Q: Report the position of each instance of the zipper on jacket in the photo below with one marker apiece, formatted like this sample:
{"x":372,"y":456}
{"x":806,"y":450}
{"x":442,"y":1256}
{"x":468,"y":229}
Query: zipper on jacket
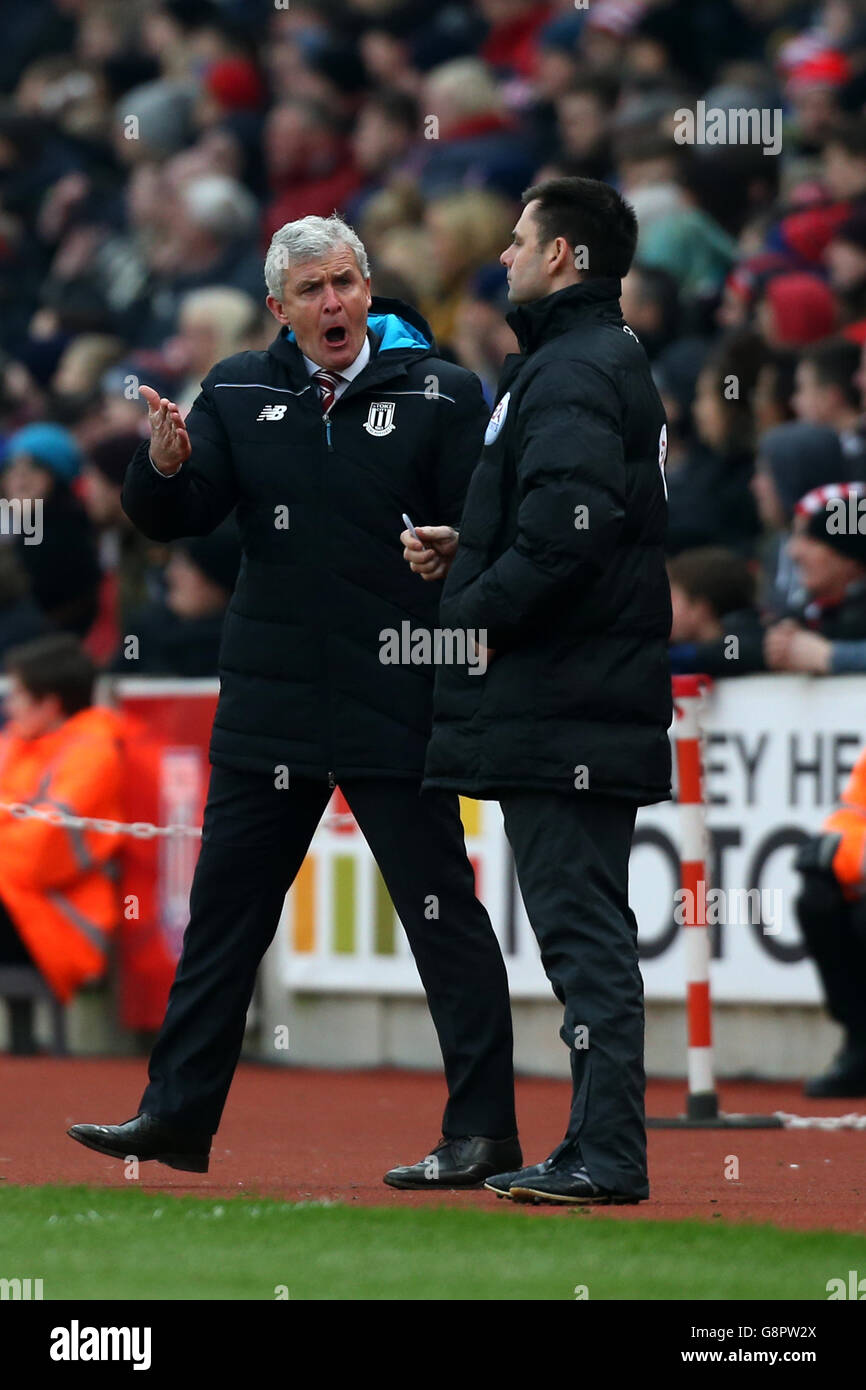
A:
{"x":332,"y":781}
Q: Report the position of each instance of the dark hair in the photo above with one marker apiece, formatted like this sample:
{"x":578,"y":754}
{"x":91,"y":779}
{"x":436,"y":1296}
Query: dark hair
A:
{"x":14,"y":580}
{"x":741,"y":355}
{"x":659,"y":287}
{"x":849,"y":134}
{"x":398,"y":108}
{"x":782,"y":362}
{"x":604,"y":86}
{"x":836,"y":362}
{"x":590,"y":214}
{"x":641,"y":146}
{"x":54,"y":665}
{"x":719,"y":577}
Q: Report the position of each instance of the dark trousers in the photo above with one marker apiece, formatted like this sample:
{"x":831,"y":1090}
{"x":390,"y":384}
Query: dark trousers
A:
{"x":571,"y":854}
{"x":22,"y":1038}
{"x":254,"y":839}
{"x":834,"y":931}
{"x":12,"y":948}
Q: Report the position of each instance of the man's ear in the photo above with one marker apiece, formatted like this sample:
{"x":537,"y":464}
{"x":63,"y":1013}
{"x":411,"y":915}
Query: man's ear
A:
{"x":559,"y":255}
{"x":569,"y":258}
{"x":277,"y":310}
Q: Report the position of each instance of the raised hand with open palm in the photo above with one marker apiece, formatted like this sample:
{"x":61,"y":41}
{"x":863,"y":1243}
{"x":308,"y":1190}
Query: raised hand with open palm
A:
{"x":169,"y":441}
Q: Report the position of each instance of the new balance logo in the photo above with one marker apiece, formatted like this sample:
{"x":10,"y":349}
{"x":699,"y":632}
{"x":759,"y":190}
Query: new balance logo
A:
{"x":272,"y":412}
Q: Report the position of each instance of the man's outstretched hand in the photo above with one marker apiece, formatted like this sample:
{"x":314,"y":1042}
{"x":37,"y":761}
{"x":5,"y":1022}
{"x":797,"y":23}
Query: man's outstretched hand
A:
{"x":431,"y":554}
{"x":169,"y":441}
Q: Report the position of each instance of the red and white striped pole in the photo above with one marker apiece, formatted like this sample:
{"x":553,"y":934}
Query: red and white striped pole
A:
{"x":702,"y":1102}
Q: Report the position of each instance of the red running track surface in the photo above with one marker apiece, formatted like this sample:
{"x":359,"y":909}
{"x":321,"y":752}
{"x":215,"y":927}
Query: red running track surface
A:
{"x":301,"y":1135}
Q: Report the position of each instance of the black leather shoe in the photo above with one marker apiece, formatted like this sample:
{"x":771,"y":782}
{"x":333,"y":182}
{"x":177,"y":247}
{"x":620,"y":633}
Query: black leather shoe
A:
{"x":501,"y":1183}
{"x":845,"y":1077}
{"x":568,"y":1185}
{"x":458,"y":1163}
{"x":146,"y":1137}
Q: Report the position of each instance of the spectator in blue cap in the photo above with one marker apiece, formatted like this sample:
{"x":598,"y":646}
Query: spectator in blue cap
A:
{"x":52,"y":533}
{"x":46,"y":447}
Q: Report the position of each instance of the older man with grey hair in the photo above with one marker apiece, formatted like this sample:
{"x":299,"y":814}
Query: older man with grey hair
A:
{"x":320,"y":443}
{"x":210,"y":240}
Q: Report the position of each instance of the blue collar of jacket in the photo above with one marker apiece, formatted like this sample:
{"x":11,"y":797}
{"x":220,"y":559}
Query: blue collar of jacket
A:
{"x":540,"y":320}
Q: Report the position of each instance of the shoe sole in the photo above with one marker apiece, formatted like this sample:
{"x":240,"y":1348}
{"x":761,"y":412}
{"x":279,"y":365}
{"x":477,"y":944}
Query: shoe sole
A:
{"x":530,"y":1195}
{"x":425,"y":1184}
{"x":498,"y":1191}
{"x":186,"y":1163}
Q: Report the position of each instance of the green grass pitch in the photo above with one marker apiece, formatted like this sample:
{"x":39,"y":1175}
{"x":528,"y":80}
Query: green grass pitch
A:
{"x":90,"y":1243}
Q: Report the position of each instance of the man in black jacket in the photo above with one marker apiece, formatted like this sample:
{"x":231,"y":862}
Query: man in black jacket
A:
{"x":560,"y":559}
{"x":319,"y":444}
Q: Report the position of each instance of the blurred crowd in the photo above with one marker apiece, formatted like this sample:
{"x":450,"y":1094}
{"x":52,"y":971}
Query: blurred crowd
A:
{"x":150,"y":148}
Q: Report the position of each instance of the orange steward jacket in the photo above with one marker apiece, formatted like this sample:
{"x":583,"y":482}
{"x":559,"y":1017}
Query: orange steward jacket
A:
{"x":59,"y":884}
{"x":849,"y":821}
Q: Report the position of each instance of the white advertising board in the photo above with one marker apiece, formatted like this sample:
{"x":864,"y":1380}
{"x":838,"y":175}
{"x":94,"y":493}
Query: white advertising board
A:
{"x":778,"y":750}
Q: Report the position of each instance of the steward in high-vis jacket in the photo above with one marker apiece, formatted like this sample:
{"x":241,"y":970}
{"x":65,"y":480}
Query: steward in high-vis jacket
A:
{"x":831,"y":909}
{"x":560,"y":564}
{"x":59,"y":885}
{"x":59,"y":892}
{"x":320,"y":443}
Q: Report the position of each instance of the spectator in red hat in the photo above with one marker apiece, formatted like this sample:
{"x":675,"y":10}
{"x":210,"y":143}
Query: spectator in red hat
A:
{"x":230,"y":85}
{"x":830,"y":554}
{"x":807,"y":234}
{"x":812,"y":89}
{"x":796,"y":309}
{"x":745,"y":286}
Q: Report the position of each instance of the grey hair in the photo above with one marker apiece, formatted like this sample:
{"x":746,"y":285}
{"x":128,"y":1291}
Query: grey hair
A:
{"x":308,"y":239}
{"x":222,"y":206}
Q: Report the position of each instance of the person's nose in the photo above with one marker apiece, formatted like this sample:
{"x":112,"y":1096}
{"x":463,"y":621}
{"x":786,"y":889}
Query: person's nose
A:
{"x":331,"y":301}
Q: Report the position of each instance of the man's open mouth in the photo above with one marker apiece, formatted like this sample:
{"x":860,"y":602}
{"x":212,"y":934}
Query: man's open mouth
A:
{"x":336,"y":336}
